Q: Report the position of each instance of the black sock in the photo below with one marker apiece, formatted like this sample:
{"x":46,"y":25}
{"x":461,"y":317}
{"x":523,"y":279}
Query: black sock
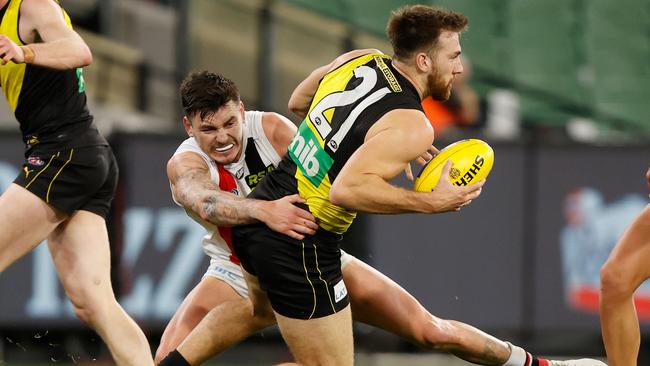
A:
{"x":174,"y":359}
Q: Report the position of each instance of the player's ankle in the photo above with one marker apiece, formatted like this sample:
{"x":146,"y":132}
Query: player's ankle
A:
{"x":174,"y":359}
{"x":519,"y":357}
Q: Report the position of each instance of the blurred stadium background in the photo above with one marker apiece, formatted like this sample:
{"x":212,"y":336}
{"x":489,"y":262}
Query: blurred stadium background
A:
{"x":564,"y":98}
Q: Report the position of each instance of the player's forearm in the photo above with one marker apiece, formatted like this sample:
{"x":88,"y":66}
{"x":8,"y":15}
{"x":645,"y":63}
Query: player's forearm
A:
{"x":62,"y":54}
{"x":374,"y":195}
{"x":226,"y":209}
{"x":219,"y":207}
{"x":302,"y":96}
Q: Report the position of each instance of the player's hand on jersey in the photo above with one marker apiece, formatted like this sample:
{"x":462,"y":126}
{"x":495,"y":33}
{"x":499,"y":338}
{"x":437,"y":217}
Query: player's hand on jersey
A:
{"x":421,"y":160}
{"x":10,"y":51}
{"x":287,"y":218}
{"x":447,"y":196}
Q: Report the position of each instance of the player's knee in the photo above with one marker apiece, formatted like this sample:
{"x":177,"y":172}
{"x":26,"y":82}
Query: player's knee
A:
{"x":89,"y":306}
{"x":616,"y":279}
{"x":363,"y":297}
{"x":438,"y":334}
{"x":86,"y":311}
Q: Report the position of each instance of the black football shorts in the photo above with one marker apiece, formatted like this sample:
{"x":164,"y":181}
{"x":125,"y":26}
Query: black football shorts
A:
{"x":302,"y":278}
{"x":83,"y":178}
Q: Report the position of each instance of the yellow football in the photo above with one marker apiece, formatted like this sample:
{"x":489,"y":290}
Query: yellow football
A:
{"x":471,"y":160}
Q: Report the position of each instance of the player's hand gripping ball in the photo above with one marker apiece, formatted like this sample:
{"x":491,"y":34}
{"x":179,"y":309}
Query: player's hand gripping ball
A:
{"x":471,"y":160}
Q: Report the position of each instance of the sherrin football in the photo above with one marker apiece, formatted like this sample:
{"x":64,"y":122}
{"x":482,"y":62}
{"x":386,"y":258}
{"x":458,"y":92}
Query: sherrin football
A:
{"x":471,"y":160}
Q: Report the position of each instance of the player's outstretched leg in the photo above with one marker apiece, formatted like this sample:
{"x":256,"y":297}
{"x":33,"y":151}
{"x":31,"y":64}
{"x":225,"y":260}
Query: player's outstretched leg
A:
{"x":80,"y":252}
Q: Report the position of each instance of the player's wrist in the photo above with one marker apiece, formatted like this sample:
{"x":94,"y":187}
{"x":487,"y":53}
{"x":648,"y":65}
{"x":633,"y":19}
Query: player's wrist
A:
{"x":260,"y":210}
{"x":28,"y":54}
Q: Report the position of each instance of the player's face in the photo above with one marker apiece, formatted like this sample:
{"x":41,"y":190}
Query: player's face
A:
{"x":446,"y":65}
{"x":220,"y":134}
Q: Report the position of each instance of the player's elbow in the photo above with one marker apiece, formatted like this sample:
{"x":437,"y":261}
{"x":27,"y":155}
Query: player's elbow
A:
{"x":296,"y":107}
{"x":341,"y":196}
{"x":85,"y":56}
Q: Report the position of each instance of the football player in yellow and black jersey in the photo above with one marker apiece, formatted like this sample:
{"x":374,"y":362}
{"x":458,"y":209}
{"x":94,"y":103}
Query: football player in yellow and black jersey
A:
{"x":363,"y":122}
{"x":65,"y":188}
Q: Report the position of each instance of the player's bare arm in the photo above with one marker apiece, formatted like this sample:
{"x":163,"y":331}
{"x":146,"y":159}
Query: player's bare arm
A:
{"x":397,"y":138}
{"x":647,"y":177}
{"x":302,"y":96}
{"x":51,"y":43}
{"x":190,"y":182}
{"x":279,"y":130}
{"x":191,"y":185}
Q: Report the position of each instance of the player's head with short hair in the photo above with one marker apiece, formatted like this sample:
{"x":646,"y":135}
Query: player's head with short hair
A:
{"x":414,"y":28}
{"x":204,"y":92}
{"x":426,"y":40}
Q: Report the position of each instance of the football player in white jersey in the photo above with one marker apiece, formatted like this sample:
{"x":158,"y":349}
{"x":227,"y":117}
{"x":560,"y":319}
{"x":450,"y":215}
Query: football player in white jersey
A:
{"x":246,"y":144}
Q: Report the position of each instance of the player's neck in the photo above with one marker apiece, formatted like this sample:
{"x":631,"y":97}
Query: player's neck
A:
{"x":407,"y":72}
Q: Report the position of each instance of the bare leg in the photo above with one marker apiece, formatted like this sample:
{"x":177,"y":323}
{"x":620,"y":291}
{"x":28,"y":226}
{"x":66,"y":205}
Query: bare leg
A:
{"x":227,"y":324}
{"x":625,"y":269}
{"x":80,"y":251}
{"x":26,"y":221}
{"x":325,"y":341}
{"x":209,"y":293}
{"x":379,"y":301}
{"x":224,"y":326}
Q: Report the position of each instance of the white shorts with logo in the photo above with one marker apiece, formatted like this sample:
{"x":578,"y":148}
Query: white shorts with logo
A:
{"x":225,"y":270}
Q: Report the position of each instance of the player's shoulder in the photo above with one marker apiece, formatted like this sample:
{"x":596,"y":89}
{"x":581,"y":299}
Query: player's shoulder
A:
{"x":187,"y":153}
{"x":351,"y":55}
{"x":274,"y":123}
{"x":30,"y":8}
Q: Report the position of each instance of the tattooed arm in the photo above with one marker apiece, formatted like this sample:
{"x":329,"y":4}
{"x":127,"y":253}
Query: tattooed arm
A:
{"x":190,"y":182}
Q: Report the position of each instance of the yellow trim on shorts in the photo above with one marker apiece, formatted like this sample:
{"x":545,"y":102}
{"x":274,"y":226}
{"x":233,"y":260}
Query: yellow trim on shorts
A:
{"x":47,"y":196}
{"x":42,"y":170}
{"x":313,"y":290}
{"x":320,"y":276}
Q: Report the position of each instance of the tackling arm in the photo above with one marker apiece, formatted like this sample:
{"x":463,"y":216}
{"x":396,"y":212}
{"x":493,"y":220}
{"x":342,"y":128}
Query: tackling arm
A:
{"x":189,"y":177}
{"x":190,"y":182}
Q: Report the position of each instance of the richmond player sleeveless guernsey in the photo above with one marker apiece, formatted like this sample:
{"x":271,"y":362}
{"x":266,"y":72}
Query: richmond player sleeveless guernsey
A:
{"x":49,"y":104}
{"x":349,"y":100}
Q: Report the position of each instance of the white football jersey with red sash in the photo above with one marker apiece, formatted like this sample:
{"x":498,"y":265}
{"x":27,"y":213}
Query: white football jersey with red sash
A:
{"x":240,"y":177}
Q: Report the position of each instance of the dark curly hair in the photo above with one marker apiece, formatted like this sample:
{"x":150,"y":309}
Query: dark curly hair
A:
{"x":204,"y":92}
{"x":412,"y":28}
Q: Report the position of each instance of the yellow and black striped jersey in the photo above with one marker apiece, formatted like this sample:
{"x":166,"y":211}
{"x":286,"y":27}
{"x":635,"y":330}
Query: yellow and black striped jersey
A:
{"x":49,"y":104}
{"x":349,"y":100}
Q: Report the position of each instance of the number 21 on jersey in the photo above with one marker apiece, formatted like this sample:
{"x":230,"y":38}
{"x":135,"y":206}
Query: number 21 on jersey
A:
{"x":307,"y":147}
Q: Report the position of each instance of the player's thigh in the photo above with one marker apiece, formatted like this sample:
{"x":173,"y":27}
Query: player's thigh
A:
{"x":26,"y":220}
{"x":81,"y":254}
{"x":631,"y":255}
{"x":320,"y":341}
{"x":209,"y":293}
{"x":381,"y":302}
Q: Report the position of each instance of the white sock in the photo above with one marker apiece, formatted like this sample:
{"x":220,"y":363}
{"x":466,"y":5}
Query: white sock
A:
{"x":518,"y":357}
